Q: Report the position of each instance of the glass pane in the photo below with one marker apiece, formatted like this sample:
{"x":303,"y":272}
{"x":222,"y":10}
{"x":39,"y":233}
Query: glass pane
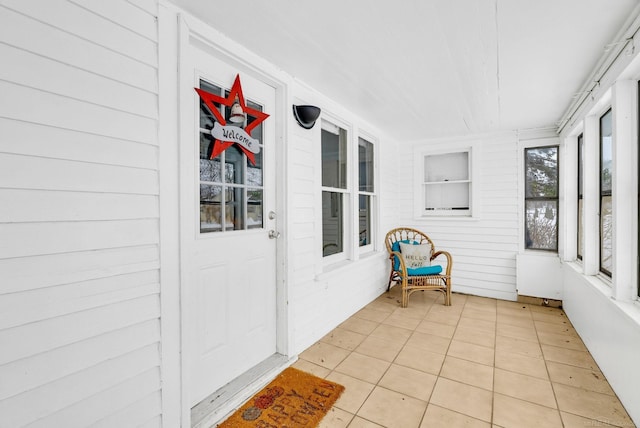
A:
{"x":254,"y":208}
{"x":334,"y":159}
{"x":580,"y":229}
{"x":446,"y":167}
{"x":365,"y":165}
{"x":541,"y":179}
{"x":254,"y":172}
{"x":364,"y":220}
{"x":448,"y":196}
{"x":210,"y":208}
{"x":234,"y":204}
{"x":606,"y":155}
{"x":606,"y":234}
{"x":210,"y":170}
{"x":234,"y":162}
{"x":332,"y":223}
{"x":206,"y":118}
{"x":541,"y":225}
{"x":580,"y":165}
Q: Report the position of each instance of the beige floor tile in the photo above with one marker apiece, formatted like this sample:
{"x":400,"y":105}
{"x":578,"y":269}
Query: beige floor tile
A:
{"x":462,"y":398}
{"x":336,"y":418}
{"x":484,"y":301}
{"x":591,"y":405}
{"x":524,"y":333}
{"x":562,"y":341}
{"x":471,"y":352}
{"x":527,"y":388}
{"x":429,"y":342}
{"x":550,"y":317}
{"x":448,"y":318}
{"x":509,"y":412}
{"x":372,"y":315}
{"x":359,"y":325}
{"x":344,"y":338}
{"x":419,"y":359}
{"x":402,"y":321}
{"x":515,"y":311}
{"x":436,"y":328}
{"x":478,"y":337}
{"x":416,"y":311}
{"x":363,"y":367}
{"x":408,"y":381}
{"x":518,"y":346}
{"x":555,"y":328}
{"x":569,"y":357}
{"x":359,"y":422}
{"x":391,"y":332}
{"x":479,"y":314}
{"x":355,"y":391}
{"x":519,"y":363}
{"x":383,"y":305}
{"x":515,"y":321}
{"x":325,"y":355}
{"x":591,"y":380}
{"x":392,"y":409}
{"x":575,"y":421}
{"x":468,"y":372}
{"x":477,"y":324}
{"x":383,"y":349}
{"x":456,"y":308}
{"x":437,"y":416}
{"x":309,"y":367}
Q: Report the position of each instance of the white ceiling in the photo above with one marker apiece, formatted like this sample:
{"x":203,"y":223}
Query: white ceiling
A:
{"x":430,"y":68}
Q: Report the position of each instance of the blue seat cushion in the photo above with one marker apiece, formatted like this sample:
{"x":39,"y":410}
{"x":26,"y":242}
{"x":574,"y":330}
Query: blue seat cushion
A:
{"x":426,"y":270}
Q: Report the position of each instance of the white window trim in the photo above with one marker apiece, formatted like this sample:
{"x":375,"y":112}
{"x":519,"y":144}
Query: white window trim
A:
{"x":419,"y":211}
{"x":369,"y":248}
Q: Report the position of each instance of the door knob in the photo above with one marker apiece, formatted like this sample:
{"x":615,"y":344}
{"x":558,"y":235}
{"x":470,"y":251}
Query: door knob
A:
{"x":273,"y":234}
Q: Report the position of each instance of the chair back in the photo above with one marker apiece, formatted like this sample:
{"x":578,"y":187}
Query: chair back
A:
{"x":406,"y":234}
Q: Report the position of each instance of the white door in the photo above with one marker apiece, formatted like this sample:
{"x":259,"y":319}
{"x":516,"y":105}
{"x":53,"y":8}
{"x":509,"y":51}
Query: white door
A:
{"x":227,"y":196}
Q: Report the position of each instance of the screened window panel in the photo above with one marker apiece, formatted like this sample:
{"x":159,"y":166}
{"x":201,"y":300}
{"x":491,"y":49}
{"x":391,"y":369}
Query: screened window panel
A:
{"x":364,"y":220}
{"x":541,"y":225}
{"x":365,"y":165}
{"x":332,"y":223}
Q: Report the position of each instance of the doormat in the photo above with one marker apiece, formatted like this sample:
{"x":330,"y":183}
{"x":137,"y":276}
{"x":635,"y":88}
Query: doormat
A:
{"x":295,"y":399}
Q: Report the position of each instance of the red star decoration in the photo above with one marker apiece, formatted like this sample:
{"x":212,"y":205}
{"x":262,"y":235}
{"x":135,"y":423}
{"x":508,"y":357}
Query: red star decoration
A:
{"x":236,"y":90}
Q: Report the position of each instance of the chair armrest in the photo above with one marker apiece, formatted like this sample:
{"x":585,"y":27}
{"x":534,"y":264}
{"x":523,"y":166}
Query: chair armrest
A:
{"x":449,"y":259}
{"x":403,"y":266}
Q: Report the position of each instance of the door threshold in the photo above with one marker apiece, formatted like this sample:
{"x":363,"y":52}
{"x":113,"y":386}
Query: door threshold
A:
{"x":227,"y":399}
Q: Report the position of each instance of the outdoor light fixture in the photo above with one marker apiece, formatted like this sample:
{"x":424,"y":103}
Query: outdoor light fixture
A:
{"x":306,"y":115}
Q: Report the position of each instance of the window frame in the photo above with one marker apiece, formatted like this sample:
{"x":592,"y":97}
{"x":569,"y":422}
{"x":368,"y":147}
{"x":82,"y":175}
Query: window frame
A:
{"x":371,"y":195}
{"x":580,"y":197}
{"x":420,"y":183}
{"x":541,"y":198}
{"x":608,"y":193}
{"x":344,"y":194}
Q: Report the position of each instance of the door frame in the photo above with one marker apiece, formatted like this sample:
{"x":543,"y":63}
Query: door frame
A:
{"x":175,"y":30}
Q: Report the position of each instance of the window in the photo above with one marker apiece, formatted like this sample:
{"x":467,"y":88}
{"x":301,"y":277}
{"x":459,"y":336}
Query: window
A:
{"x":365,"y":192}
{"x":580,"y":202}
{"x":541,"y":198}
{"x":606,"y":200}
{"x":334,"y":188}
{"x":446,"y":184}
{"x":231,"y":186}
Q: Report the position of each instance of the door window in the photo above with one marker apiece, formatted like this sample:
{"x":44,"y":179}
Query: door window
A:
{"x":231,"y":185}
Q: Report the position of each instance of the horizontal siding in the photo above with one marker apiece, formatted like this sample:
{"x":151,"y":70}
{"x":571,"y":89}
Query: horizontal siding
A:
{"x":483,"y":250}
{"x":79,"y":214}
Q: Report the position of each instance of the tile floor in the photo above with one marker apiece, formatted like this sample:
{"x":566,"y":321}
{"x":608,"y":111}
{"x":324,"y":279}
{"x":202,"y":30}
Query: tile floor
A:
{"x":478,"y":363}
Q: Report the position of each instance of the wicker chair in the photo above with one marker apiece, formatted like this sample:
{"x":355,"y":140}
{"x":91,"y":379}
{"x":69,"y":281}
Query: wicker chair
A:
{"x":411,"y":283}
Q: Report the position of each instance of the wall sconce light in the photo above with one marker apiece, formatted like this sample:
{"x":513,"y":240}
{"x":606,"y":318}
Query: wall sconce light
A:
{"x":306,"y":115}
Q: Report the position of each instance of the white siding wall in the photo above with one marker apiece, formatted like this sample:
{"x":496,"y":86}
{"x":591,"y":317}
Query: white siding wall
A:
{"x":79,"y":288}
{"x":484,"y":248}
{"x":321,"y":297}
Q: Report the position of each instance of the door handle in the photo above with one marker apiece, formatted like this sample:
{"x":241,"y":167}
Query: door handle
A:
{"x":273,"y":234}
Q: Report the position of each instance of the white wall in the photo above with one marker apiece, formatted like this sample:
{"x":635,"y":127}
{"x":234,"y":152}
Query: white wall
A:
{"x":321,"y":296}
{"x":484,"y":247}
{"x":79,"y":295}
